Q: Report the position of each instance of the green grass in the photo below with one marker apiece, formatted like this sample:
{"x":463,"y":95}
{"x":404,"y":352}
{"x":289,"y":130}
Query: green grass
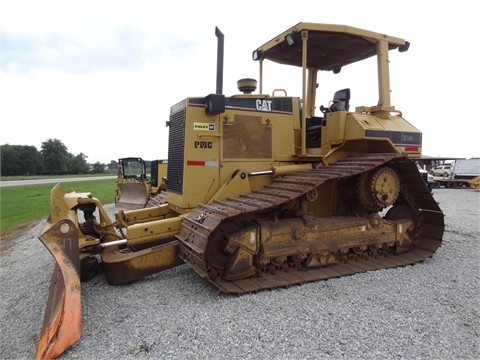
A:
{"x":21,"y":204}
{"x":34,"y":177}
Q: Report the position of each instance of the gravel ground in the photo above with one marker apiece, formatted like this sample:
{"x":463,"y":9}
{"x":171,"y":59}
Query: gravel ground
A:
{"x":427,"y":311}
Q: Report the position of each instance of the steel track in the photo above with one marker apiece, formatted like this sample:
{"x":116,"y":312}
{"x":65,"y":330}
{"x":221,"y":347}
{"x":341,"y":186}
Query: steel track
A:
{"x":201,"y":223}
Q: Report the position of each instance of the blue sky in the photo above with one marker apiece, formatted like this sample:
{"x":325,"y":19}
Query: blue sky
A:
{"x":101,"y":75}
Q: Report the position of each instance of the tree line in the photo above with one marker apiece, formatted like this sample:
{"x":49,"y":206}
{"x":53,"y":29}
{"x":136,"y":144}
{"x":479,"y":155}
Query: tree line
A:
{"x":52,"y":159}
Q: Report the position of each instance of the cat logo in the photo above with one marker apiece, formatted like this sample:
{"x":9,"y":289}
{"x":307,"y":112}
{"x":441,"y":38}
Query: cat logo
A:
{"x":203,"y":126}
{"x":264,"y":105}
{"x":203,"y":145}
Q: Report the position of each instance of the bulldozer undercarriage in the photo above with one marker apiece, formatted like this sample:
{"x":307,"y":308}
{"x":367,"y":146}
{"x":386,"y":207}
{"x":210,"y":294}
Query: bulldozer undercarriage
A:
{"x":261,"y":241}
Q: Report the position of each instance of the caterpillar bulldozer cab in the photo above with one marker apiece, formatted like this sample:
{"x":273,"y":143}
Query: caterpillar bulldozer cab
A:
{"x":261,"y":191}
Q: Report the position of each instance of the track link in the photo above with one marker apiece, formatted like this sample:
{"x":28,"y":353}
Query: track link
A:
{"x":197,"y":228}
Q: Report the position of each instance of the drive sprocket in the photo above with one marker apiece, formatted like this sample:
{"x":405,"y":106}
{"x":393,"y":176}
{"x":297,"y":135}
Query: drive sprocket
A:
{"x":378,"y":189}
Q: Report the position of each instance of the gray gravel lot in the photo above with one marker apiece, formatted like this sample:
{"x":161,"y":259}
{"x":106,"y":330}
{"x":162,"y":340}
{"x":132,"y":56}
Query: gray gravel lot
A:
{"x":427,"y":311}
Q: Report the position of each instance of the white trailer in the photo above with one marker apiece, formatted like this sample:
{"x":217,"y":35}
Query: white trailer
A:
{"x":464,"y":171}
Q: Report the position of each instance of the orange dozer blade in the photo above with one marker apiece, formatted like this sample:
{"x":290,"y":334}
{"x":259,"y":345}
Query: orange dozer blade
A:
{"x":62,"y":323}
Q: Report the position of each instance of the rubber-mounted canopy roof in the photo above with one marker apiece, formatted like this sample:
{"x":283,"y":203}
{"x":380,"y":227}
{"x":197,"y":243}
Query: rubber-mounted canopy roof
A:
{"x":329,"y":47}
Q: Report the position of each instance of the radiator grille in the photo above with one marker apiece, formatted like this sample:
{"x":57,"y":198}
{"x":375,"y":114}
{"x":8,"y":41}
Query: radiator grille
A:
{"x":176,"y":135}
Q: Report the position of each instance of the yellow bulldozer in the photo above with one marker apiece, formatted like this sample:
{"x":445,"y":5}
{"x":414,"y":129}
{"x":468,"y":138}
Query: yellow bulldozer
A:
{"x":134,"y":189}
{"x":263,"y":190}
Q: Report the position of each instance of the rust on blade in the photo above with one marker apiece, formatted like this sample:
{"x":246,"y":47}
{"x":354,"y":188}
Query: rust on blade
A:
{"x":127,"y":265}
{"x":62,"y":323}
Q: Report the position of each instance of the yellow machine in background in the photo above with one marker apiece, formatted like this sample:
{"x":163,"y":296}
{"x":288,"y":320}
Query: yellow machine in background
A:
{"x":133,"y":187}
{"x":263,"y":189}
{"x":475,"y":182}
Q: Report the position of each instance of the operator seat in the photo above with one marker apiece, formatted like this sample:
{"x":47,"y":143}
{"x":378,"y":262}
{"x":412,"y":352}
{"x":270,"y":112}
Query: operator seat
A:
{"x":340,"y":102}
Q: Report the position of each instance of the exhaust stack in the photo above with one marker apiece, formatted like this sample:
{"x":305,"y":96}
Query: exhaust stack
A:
{"x":220,"y":51}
